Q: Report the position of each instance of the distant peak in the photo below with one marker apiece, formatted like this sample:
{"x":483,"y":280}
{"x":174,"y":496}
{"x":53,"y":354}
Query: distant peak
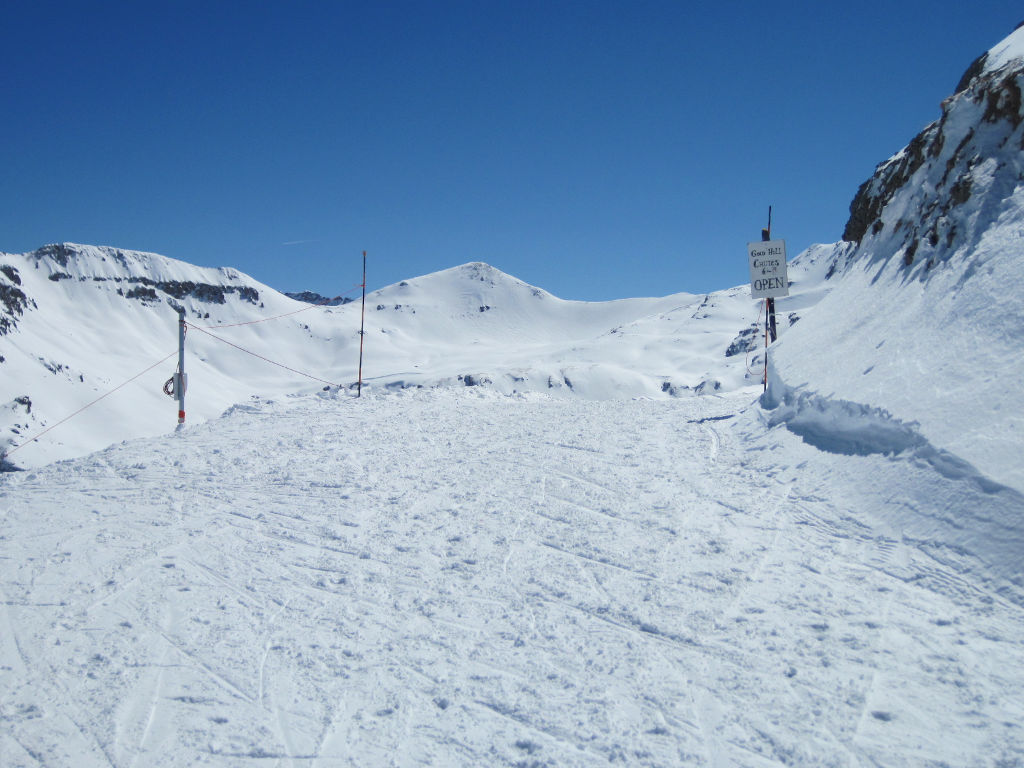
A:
{"x":480,"y":267}
{"x":473,"y":275}
{"x":939,"y":193}
{"x":477,"y":270}
{"x":1007,"y":50}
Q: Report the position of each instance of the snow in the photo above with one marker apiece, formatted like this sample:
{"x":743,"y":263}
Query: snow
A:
{"x":1006,"y":51}
{"x":81,"y":338}
{"x":474,"y":320}
{"x":456,"y":577}
{"x":930,"y":354}
{"x":530,"y":542}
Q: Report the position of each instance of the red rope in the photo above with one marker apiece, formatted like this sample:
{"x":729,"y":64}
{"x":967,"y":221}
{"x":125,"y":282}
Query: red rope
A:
{"x":119,"y":386}
{"x":261,"y":357}
{"x":16,"y":448}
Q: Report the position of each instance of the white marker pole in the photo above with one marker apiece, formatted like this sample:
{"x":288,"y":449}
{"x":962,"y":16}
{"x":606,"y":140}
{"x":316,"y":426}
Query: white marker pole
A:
{"x":179,"y":378}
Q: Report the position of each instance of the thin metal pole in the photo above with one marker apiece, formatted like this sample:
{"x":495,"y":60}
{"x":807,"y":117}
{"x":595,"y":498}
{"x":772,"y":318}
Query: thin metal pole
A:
{"x":766,"y":234}
{"x":769,"y":306}
{"x":179,"y":384}
{"x":362,"y":332}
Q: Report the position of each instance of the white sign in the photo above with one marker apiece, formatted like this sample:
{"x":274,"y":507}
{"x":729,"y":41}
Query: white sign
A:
{"x":768,"y":278}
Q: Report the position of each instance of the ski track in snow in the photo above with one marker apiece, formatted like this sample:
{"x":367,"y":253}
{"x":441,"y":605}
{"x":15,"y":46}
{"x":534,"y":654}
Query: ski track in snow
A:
{"x":459,"y":578}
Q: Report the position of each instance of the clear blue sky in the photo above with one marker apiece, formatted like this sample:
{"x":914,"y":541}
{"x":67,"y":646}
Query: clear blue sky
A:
{"x":596,"y":149}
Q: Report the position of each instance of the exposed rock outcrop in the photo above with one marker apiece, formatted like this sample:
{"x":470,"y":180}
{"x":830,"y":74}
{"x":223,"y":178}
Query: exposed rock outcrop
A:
{"x":945,"y":188}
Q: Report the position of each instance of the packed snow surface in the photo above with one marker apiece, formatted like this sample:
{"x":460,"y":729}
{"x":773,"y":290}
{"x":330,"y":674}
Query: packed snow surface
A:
{"x":457,"y":577}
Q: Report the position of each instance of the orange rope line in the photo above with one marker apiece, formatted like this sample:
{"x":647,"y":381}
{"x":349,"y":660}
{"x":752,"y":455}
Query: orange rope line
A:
{"x":261,"y":357}
{"x":89,"y":405}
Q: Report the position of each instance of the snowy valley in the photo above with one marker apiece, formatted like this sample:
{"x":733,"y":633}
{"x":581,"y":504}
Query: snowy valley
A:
{"x":102,"y":314}
{"x":549,"y":533}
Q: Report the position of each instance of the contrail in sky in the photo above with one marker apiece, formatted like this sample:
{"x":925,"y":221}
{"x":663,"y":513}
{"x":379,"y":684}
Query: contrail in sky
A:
{"x":299,"y":242}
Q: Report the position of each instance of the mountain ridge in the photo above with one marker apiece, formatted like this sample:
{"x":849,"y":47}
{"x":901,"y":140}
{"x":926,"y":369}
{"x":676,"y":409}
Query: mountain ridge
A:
{"x":908,"y":205}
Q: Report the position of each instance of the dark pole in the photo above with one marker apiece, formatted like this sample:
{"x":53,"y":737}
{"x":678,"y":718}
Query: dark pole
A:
{"x":769,"y":304}
{"x":362,"y":333}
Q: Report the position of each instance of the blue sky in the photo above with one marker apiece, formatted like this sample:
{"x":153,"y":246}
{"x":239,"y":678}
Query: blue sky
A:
{"x":597,"y":149}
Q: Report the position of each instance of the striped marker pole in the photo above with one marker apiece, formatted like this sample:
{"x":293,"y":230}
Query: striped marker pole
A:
{"x":179,"y":383}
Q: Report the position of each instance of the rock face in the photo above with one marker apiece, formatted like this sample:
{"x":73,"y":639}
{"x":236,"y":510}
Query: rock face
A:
{"x":131,"y":268}
{"x":943,"y":190}
{"x":132,"y":275}
{"x":13,"y":300}
{"x":311,"y":297}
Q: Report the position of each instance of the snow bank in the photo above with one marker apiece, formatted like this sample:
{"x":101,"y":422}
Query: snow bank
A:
{"x":926,"y":493}
{"x":936,"y":348}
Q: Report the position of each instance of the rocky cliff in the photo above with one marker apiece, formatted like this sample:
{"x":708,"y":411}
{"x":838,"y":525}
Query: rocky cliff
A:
{"x":945,"y":189}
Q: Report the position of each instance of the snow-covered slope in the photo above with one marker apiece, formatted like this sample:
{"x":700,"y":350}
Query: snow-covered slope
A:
{"x":79,"y":321}
{"x":455,"y":577}
{"x":82,"y":320}
{"x":923,"y":329}
{"x":474,"y":324}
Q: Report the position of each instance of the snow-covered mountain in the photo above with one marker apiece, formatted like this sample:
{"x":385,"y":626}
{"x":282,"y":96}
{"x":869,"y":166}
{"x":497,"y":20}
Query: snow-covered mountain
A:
{"x":475,"y":325}
{"x":82,"y":320}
